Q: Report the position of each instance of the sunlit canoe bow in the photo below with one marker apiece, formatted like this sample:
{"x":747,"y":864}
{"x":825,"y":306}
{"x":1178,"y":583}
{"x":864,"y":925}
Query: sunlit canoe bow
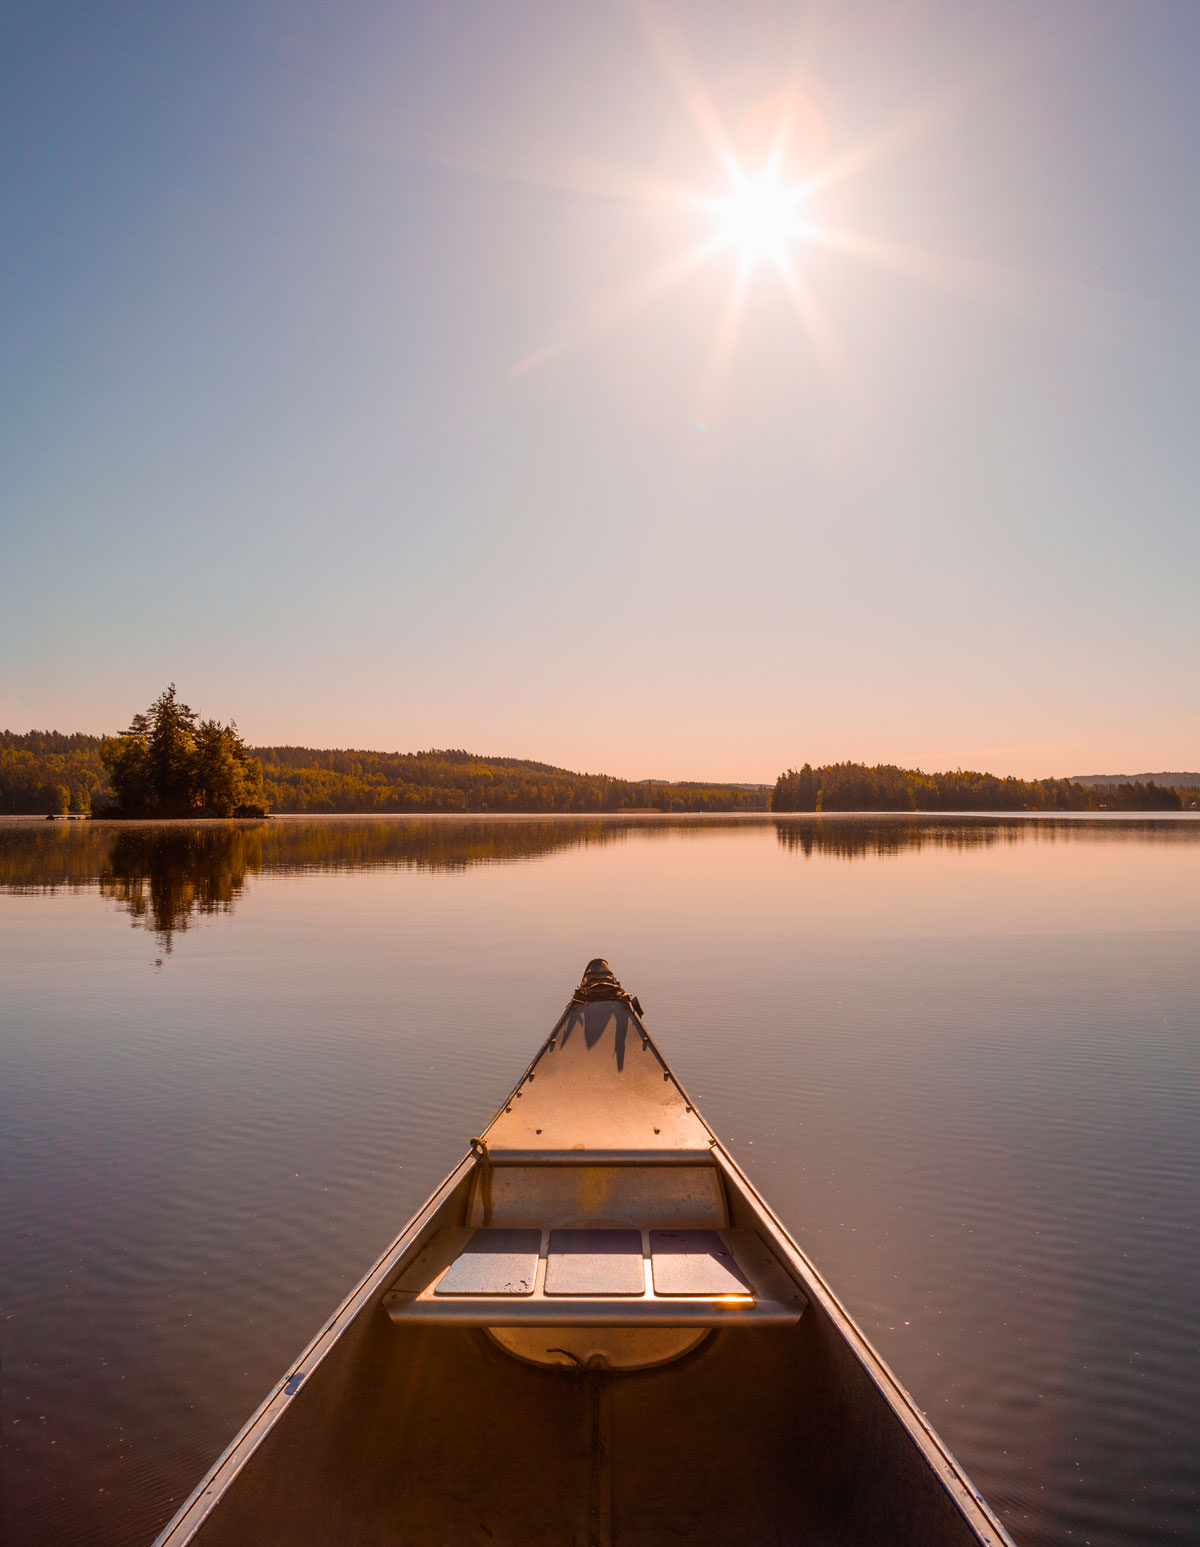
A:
{"x":594,"y":1332}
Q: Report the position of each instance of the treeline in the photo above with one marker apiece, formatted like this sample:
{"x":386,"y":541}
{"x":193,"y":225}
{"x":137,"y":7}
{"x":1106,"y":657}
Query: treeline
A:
{"x":308,"y":779}
{"x":46,"y":771}
{"x":885,"y":787}
{"x":201,"y":765}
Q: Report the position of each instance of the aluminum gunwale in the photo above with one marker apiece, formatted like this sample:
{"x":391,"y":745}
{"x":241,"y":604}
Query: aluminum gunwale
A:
{"x":208,"y":1492}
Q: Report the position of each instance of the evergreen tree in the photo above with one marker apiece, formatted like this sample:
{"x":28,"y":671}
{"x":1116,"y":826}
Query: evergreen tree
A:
{"x":126,"y":758}
{"x":227,"y":777}
{"x":796,"y":791}
{"x":169,"y":764}
{"x":171,"y":752}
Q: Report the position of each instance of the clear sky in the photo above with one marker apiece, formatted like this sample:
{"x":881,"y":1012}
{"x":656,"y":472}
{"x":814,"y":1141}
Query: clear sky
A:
{"x":678,"y":391}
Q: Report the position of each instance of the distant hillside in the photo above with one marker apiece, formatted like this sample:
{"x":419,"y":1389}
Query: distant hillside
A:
{"x":337,"y":757}
{"x":705,"y":784}
{"x":1173,"y":781}
{"x":47,"y":770}
{"x":316,"y":779}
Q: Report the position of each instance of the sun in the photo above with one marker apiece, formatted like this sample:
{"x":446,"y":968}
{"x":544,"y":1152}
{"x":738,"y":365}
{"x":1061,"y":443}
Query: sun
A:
{"x":759,"y":218}
{"x":763,"y":217}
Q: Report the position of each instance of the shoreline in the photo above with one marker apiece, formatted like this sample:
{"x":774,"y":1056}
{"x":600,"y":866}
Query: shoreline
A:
{"x":642,"y":815}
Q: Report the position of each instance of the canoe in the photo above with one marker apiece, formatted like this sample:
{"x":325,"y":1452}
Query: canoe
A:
{"x":595,"y":1332}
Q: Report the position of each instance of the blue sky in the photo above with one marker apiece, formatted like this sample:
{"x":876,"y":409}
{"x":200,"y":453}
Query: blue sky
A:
{"x":360,"y":374}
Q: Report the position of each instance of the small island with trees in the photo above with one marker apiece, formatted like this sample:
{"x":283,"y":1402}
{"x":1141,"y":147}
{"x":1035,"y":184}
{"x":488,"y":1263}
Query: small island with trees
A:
{"x":170,"y":763}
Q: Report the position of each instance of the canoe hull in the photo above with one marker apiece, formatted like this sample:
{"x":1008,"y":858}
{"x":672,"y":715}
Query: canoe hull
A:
{"x":770,"y":1423}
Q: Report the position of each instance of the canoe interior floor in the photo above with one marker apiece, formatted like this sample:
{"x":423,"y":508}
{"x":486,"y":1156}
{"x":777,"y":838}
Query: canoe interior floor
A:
{"x":427,"y":1435}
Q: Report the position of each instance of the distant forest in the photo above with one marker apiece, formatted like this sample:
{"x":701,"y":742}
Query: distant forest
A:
{"x":48,"y":771}
{"x":305,"y":779}
{"x":856,"y":787}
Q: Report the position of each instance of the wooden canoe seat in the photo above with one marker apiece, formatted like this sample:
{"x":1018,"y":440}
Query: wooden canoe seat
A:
{"x":596,"y":1276}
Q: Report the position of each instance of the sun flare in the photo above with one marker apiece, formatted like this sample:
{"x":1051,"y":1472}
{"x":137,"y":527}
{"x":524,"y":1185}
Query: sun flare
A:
{"x":763,"y":218}
{"x":759,"y":219}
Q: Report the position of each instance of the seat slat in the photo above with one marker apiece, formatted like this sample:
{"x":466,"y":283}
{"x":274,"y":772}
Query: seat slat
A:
{"x":494,"y":1262}
{"x":695,"y":1262}
{"x":595,"y":1262}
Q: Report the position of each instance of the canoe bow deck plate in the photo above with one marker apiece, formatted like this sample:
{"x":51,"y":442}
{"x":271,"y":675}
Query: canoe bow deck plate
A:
{"x":598,"y":1086}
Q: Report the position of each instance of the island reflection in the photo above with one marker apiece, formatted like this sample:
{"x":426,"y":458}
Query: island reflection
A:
{"x":167,"y":876}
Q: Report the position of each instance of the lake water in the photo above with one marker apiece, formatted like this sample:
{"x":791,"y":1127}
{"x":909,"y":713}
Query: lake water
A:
{"x":959,"y":1056}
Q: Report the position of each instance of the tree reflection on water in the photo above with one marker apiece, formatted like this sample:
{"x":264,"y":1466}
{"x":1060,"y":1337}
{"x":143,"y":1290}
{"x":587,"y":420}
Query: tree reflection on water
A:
{"x":167,"y":876}
{"x":872,"y":835}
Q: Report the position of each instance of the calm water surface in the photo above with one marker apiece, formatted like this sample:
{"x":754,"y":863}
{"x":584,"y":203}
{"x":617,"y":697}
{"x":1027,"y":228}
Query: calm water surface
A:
{"x":960,"y":1057}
